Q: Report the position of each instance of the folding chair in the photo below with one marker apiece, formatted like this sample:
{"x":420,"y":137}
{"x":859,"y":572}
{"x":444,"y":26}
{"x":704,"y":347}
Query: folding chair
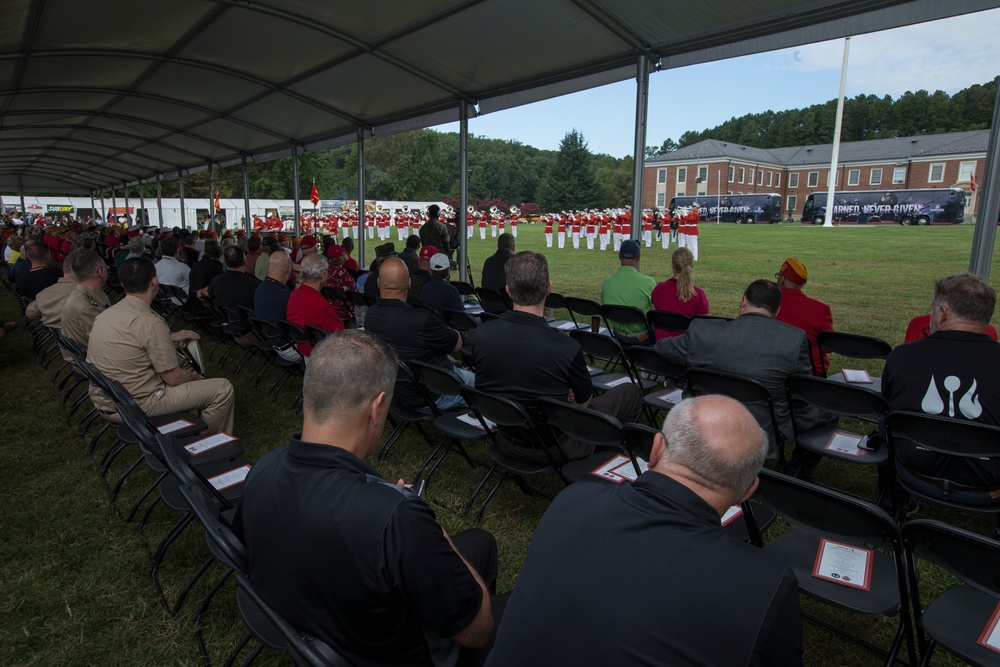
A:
{"x":592,"y":428}
{"x":359,"y":300}
{"x":608,"y":352}
{"x":957,"y":618}
{"x":850,"y":345}
{"x":664,"y":321}
{"x":958,"y":439}
{"x":492,"y":301}
{"x":628,"y":315}
{"x":586,"y":310}
{"x":669,"y":374}
{"x":844,"y":400}
{"x":513,"y":421}
{"x":334,"y":295}
{"x":464,"y":288}
{"x":829,"y":521}
{"x":558,"y":302}
{"x":272,"y":332}
{"x":754,"y":395}
{"x":401,"y":416}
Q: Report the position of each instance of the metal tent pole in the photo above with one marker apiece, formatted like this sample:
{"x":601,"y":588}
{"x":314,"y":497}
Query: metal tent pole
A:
{"x":989,"y":209}
{"x":142,"y":204}
{"x":641,"y":103}
{"x":159,"y":202}
{"x":211,"y":199}
{"x":295,"y":187}
{"x":20,"y":191}
{"x":114,"y":203}
{"x":92,"y":211}
{"x":246,"y":195}
{"x":463,"y":191}
{"x":180,"y":187}
{"x":361,"y":197}
{"x":104,"y":212}
{"x":125,"y":188}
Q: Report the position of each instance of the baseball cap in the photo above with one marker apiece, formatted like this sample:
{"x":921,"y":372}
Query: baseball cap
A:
{"x":794,"y":271}
{"x":385,"y":250}
{"x":440,"y":262}
{"x":335,"y":251}
{"x":427,"y":252}
{"x":307,"y":242}
{"x":629,"y":249}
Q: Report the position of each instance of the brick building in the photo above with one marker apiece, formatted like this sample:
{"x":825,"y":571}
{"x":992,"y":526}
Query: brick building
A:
{"x":712,"y":167}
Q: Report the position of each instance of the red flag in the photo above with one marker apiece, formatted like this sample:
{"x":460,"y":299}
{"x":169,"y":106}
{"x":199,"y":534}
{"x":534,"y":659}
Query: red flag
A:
{"x":218,"y":207}
{"x":972,"y":182}
{"x":314,"y":194}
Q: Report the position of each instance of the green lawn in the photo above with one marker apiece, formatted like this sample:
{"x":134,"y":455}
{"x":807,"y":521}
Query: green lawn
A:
{"x":74,"y":584}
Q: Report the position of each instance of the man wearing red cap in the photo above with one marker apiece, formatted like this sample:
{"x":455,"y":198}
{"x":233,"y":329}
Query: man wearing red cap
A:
{"x":339,"y":279}
{"x":803,"y":312}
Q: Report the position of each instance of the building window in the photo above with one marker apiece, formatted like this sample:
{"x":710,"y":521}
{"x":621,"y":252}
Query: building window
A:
{"x":937,"y":173}
{"x":702,"y":174}
{"x":853,"y":177}
{"x":966,"y":170}
{"x":793,"y":179}
{"x":760,"y":177}
{"x":732,"y":173}
{"x":792,"y":201}
{"x":770,"y":177}
{"x":680,"y":193}
{"x":876,"y":177}
{"x":660,"y":198}
{"x":813,"y":179}
{"x":682,"y":174}
{"x":898,"y":175}
{"x":741,"y":175}
{"x":661,"y":176}
{"x":777,"y":179}
{"x":836,"y":179}
{"x":749,"y":177}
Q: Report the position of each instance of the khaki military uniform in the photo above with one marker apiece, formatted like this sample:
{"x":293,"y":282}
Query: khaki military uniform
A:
{"x":48,"y":305}
{"x":79,"y":312}
{"x":131,"y":344}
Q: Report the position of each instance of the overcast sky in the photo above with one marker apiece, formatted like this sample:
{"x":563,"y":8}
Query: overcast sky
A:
{"x":947,"y":55}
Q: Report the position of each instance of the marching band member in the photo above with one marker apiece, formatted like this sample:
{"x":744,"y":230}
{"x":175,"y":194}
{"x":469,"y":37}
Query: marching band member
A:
{"x":548,"y":231}
{"x":493,"y":224}
{"x":575,"y":230}
{"x":561,"y":230}
{"x":647,"y":228}
{"x":604,"y":230}
{"x":591,"y":230}
{"x":666,"y":221}
{"x":687,"y":231}
{"x":513,"y":224}
{"x":481,"y":217}
{"x":401,"y":225}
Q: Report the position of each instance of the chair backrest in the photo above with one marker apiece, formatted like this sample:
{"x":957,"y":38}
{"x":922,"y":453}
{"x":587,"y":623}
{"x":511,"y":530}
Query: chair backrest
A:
{"x":838,"y":397}
{"x":602,"y":347}
{"x":638,"y":440}
{"x":439,"y":380}
{"x":942,"y":435}
{"x":616,"y":314}
{"x":464,"y":288}
{"x":223,"y":541}
{"x":851,"y":345}
{"x":661,"y":319}
{"x":305,"y":650}
{"x":703,"y":381}
{"x":359,"y":299}
{"x":646,"y":359}
{"x":272,"y":332}
{"x":332,"y":294}
{"x":973,"y":558}
{"x":583,"y":424}
{"x":826,"y":510}
{"x":295,"y":333}
{"x":491,"y":301}
{"x":460,"y":320}
{"x":582,"y":310}
{"x":554,"y":300}
{"x":316,"y":333}
{"x":513,"y":420}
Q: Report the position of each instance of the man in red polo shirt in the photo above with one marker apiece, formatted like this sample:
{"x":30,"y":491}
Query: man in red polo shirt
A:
{"x":803,"y":312}
{"x":307,"y":306}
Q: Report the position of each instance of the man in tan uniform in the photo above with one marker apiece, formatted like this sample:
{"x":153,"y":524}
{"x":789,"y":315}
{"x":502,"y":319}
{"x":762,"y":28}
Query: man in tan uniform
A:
{"x":133,"y":345}
{"x":87,"y":300}
{"x":48,"y":305}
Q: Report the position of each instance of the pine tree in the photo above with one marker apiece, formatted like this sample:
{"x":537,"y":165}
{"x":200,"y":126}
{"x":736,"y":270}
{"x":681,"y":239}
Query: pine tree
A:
{"x":571,"y":183}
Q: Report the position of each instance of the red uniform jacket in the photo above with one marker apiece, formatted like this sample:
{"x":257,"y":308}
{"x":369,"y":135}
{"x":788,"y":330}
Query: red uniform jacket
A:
{"x":810,"y":315}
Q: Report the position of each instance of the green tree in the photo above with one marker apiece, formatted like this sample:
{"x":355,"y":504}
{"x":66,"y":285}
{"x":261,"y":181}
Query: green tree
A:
{"x":571,"y":183}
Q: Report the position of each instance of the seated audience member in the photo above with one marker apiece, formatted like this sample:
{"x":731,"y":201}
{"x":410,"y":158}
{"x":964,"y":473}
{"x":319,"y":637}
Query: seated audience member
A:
{"x":23,"y":263}
{"x":679,"y":294}
{"x":39,"y":274}
{"x":271,"y":300}
{"x":339,"y":279}
{"x":48,"y":305}
{"x":234,"y":286}
{"x":87,"y":300}
{"x":409,"y":254}
{"x":628,"y":287}
{"x":307,"y":306}
{"x":132,"y":344}
{"x":347,"y":557}
{"x":268,"y":245}
{"x":253,"y":253}
{"x":422,"y":275}
{"x":189,"y":253}
{"x":954,"y":372}
{"x":308,"y":245}
{"x":758,"y":347}
{"x":12,"y":252}
{"x":920,"y":327}
{"x":439,"y":293}
{"x":133,"y":248}
{"x":566,"y":610}
{"x":416,"y":334}
{"x":350,"y":263}
{"x":803,"y":312}
{"x":170,"y":270}
{"x":206,"y":269}
{"x":494,"y":277}
{"x":521,"y":357}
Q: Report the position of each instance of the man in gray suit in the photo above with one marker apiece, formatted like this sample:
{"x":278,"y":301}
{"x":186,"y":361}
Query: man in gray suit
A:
{"x":756,"y":346}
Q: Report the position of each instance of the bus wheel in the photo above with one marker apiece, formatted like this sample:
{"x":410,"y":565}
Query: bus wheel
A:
{"x":906,"y":221}
{"x":818,"y":220}
{"x":739,"y":220}
{"x":923,"y":220}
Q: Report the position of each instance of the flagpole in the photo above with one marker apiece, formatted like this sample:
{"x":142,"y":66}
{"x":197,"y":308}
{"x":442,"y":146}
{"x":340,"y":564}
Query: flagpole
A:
{"x":831,"y":187}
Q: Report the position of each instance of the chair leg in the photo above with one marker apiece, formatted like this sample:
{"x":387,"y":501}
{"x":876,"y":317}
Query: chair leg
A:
{"x":482,"y":509}
{"x":187,"y":589}
{"x":121,"y":480}
{"x":231,"y":658}
{"x":202,"y":610}
{"x":479,"y":488}
{"x":135,"y":508}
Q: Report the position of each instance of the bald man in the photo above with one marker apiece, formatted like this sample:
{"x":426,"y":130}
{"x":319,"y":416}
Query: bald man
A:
{"x":693,"y":595}
{"x":416,"y":334}
{"x":270,"y":300}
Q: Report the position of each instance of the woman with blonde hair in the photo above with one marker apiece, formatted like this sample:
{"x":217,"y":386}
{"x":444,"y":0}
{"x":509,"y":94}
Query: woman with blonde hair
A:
{"x":679,"y":294}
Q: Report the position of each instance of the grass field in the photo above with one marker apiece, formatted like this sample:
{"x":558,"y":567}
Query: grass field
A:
{"x":74,"y":584}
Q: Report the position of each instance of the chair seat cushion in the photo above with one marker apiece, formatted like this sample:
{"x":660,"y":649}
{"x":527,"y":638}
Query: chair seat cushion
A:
{"x":956,"y":619}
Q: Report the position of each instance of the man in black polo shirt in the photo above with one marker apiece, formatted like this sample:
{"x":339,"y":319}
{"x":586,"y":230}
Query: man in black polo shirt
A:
{"x":234,"y":287}
{"x":691,"y":595}
{"x":416,"y":334}
{"x":346,"y":556}
{"x":494,"y":277}
{"x":207,"y":268}
{"x":39,"y":274}
{"x":521,"y":357}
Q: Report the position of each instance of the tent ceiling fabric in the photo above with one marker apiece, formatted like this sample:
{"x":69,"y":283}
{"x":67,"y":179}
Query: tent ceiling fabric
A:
{"x":105,"y":92}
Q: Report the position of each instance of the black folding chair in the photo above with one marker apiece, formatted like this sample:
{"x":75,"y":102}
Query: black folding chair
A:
{"x":278,"y":338}
{"x":976,"y":444}
{"x":821,"y":516}
{"x":850,"y":345}
{"x":956,"y":618}
{"x":464,"y":288}
{"x":509,"y":418}
{"x":754,"y":395}
{"x":667,"y":373}
{"x":592,"y":428}
{"x":664,"y":321}
{"x":403,"y":417}
{"x":628,"y":315}
{"x":492,"y":301}
{"x":607,"y":353}
{"x":585,"y":310}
